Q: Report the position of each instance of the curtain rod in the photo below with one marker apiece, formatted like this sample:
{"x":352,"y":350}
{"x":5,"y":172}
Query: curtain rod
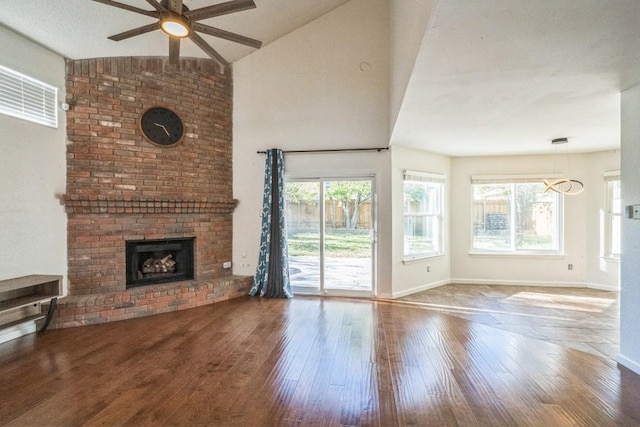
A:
{"x":330,"y":150}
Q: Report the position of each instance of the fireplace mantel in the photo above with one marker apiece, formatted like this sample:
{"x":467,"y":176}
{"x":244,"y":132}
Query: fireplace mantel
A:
{"x":125,"y":204}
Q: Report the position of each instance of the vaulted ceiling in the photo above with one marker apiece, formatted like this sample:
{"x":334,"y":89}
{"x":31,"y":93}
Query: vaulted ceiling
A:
{"x":507,"y":76}
{"x":79,"y":28}
{"x":490,"y":77}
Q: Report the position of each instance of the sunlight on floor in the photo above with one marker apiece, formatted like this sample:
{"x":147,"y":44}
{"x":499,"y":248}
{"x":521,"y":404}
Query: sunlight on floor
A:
{"x":458,"y":309}
{"x":579,"y":319}
{"x":561,"y":302}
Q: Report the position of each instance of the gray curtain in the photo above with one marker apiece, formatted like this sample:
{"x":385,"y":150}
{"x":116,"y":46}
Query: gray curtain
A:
{"x":272,"y":274}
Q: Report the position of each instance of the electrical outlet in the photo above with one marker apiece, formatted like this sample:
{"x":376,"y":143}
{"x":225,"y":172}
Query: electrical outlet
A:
{"x":570,"y":266}
{"x":226,"y":264}
{"x":428,"y":269}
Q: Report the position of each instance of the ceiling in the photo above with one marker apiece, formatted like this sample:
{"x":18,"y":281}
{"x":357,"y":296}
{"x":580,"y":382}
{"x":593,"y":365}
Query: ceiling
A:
{"x":491,"y":77}
{"x":87,"y":25}
{"x":508,"y":76}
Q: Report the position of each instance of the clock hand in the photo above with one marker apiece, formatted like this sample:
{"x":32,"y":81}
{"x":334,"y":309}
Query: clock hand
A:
{"x":163,"y":128}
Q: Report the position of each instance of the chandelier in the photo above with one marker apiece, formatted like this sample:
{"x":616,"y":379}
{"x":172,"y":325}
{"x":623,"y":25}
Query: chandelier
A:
{"x":562,"y":185}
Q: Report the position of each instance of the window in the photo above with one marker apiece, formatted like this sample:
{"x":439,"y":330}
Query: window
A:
{"x":27,"y":98}
{"x":614,"y":215}
{"x":513,"y":215}
{"x":423,"y":213}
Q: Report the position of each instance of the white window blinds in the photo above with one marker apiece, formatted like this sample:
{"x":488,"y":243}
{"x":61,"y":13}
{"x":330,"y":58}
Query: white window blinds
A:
{"x":27,"y":98}
{"x":423,"y":176}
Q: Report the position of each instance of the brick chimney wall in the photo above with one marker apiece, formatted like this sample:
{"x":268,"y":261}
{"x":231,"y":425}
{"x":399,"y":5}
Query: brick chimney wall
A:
{"x":122,"y":187}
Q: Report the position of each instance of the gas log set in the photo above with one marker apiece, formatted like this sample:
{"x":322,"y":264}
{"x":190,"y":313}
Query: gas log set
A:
{"x":157,"y":265}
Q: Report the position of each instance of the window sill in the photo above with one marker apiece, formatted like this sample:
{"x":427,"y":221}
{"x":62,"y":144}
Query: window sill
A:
{"x":610,"y":258}
{"x":422,"y":258}
{"x":520,"y":255}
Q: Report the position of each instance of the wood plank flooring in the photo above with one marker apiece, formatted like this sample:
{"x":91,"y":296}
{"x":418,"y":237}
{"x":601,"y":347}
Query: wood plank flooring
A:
{"x":309,"y":361}
{"x":578,"y":318}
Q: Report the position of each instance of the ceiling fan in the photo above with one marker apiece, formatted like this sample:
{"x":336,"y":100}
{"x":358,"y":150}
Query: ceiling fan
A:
{"x":178,"y":22}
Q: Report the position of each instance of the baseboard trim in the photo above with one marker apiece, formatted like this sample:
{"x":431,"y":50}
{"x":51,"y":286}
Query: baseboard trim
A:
{"x":420,"y":288}
{"x":628,"y":363}
{"x":603,"y":287}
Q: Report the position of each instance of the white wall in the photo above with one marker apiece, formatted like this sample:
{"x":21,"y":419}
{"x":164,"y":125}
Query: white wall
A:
{"x":323,"y":86}
{"x":630,"y":267}
{"x":413,"y":276}
{"x":408,"y":20}
{"x":33,"y":228}
{"x":581,"y":224}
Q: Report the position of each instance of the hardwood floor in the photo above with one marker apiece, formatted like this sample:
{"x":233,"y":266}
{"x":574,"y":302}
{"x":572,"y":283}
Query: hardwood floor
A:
{"x":578,"y":318}
{"x":309,"y":361}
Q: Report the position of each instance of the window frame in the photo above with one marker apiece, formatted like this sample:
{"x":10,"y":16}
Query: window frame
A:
{"x":610,"y":177}
{"x":558,"y":215}
{"x":440,"y":181}
{"x":26,"y":98}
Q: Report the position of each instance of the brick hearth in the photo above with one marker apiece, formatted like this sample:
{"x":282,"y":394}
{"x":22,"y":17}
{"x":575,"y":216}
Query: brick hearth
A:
{"x":121,"y":187}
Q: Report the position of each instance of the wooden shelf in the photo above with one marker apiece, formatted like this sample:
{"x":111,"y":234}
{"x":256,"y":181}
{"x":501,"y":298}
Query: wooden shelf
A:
{"x":20,"y":298}
{"x":28,"y":281}
{"x":24,"y":301}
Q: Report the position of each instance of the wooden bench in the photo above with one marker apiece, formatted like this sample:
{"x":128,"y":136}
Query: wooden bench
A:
{"x":21,"y":299}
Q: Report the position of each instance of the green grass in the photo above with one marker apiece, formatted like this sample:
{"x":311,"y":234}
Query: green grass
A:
{"x":529,"y":242}
{"x":338,"y":243}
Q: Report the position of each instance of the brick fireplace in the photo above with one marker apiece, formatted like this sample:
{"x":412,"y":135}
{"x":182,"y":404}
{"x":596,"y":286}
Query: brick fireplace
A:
{"x":121,"y":187}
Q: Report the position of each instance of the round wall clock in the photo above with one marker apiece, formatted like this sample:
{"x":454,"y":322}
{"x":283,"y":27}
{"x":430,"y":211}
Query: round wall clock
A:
{"x":161,"y":126}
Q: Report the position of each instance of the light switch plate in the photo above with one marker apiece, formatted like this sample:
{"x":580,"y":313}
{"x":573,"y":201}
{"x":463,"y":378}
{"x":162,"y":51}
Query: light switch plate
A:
{"x":633,"y":211}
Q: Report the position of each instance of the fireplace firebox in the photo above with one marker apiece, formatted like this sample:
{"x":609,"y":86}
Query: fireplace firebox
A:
{"x":159,"y":261}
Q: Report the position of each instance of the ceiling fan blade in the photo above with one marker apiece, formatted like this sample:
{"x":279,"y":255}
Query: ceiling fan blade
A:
{"x":174,"y":50}
{"x":199,"y":41}
{"x":216,"y":32}
{"x":220,"y":9}
{"x":150,"y":13}
{"x":135,"y":32}
{"x":157,"y":6}
{"x":175,"y":6}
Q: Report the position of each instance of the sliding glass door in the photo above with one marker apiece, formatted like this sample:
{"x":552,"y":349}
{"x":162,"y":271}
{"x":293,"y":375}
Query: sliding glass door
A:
{"x":303,"y":235}
{"x":331,"y":235}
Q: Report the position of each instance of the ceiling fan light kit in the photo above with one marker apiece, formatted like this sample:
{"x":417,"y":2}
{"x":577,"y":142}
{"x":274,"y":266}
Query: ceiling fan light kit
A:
{"x":175,"y":25}
{"x":566,"y":186}
{"x":178,"y":22}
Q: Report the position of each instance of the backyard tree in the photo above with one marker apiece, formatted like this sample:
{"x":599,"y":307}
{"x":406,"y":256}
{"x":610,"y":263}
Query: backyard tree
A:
{"x":349,"y":195}
{"x":526,"y":196}
{"x":301,"y":192}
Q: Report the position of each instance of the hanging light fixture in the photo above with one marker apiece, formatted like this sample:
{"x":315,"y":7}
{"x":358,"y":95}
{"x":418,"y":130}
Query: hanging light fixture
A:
{"x":175,"y":25}
{"x":562,"y":185}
